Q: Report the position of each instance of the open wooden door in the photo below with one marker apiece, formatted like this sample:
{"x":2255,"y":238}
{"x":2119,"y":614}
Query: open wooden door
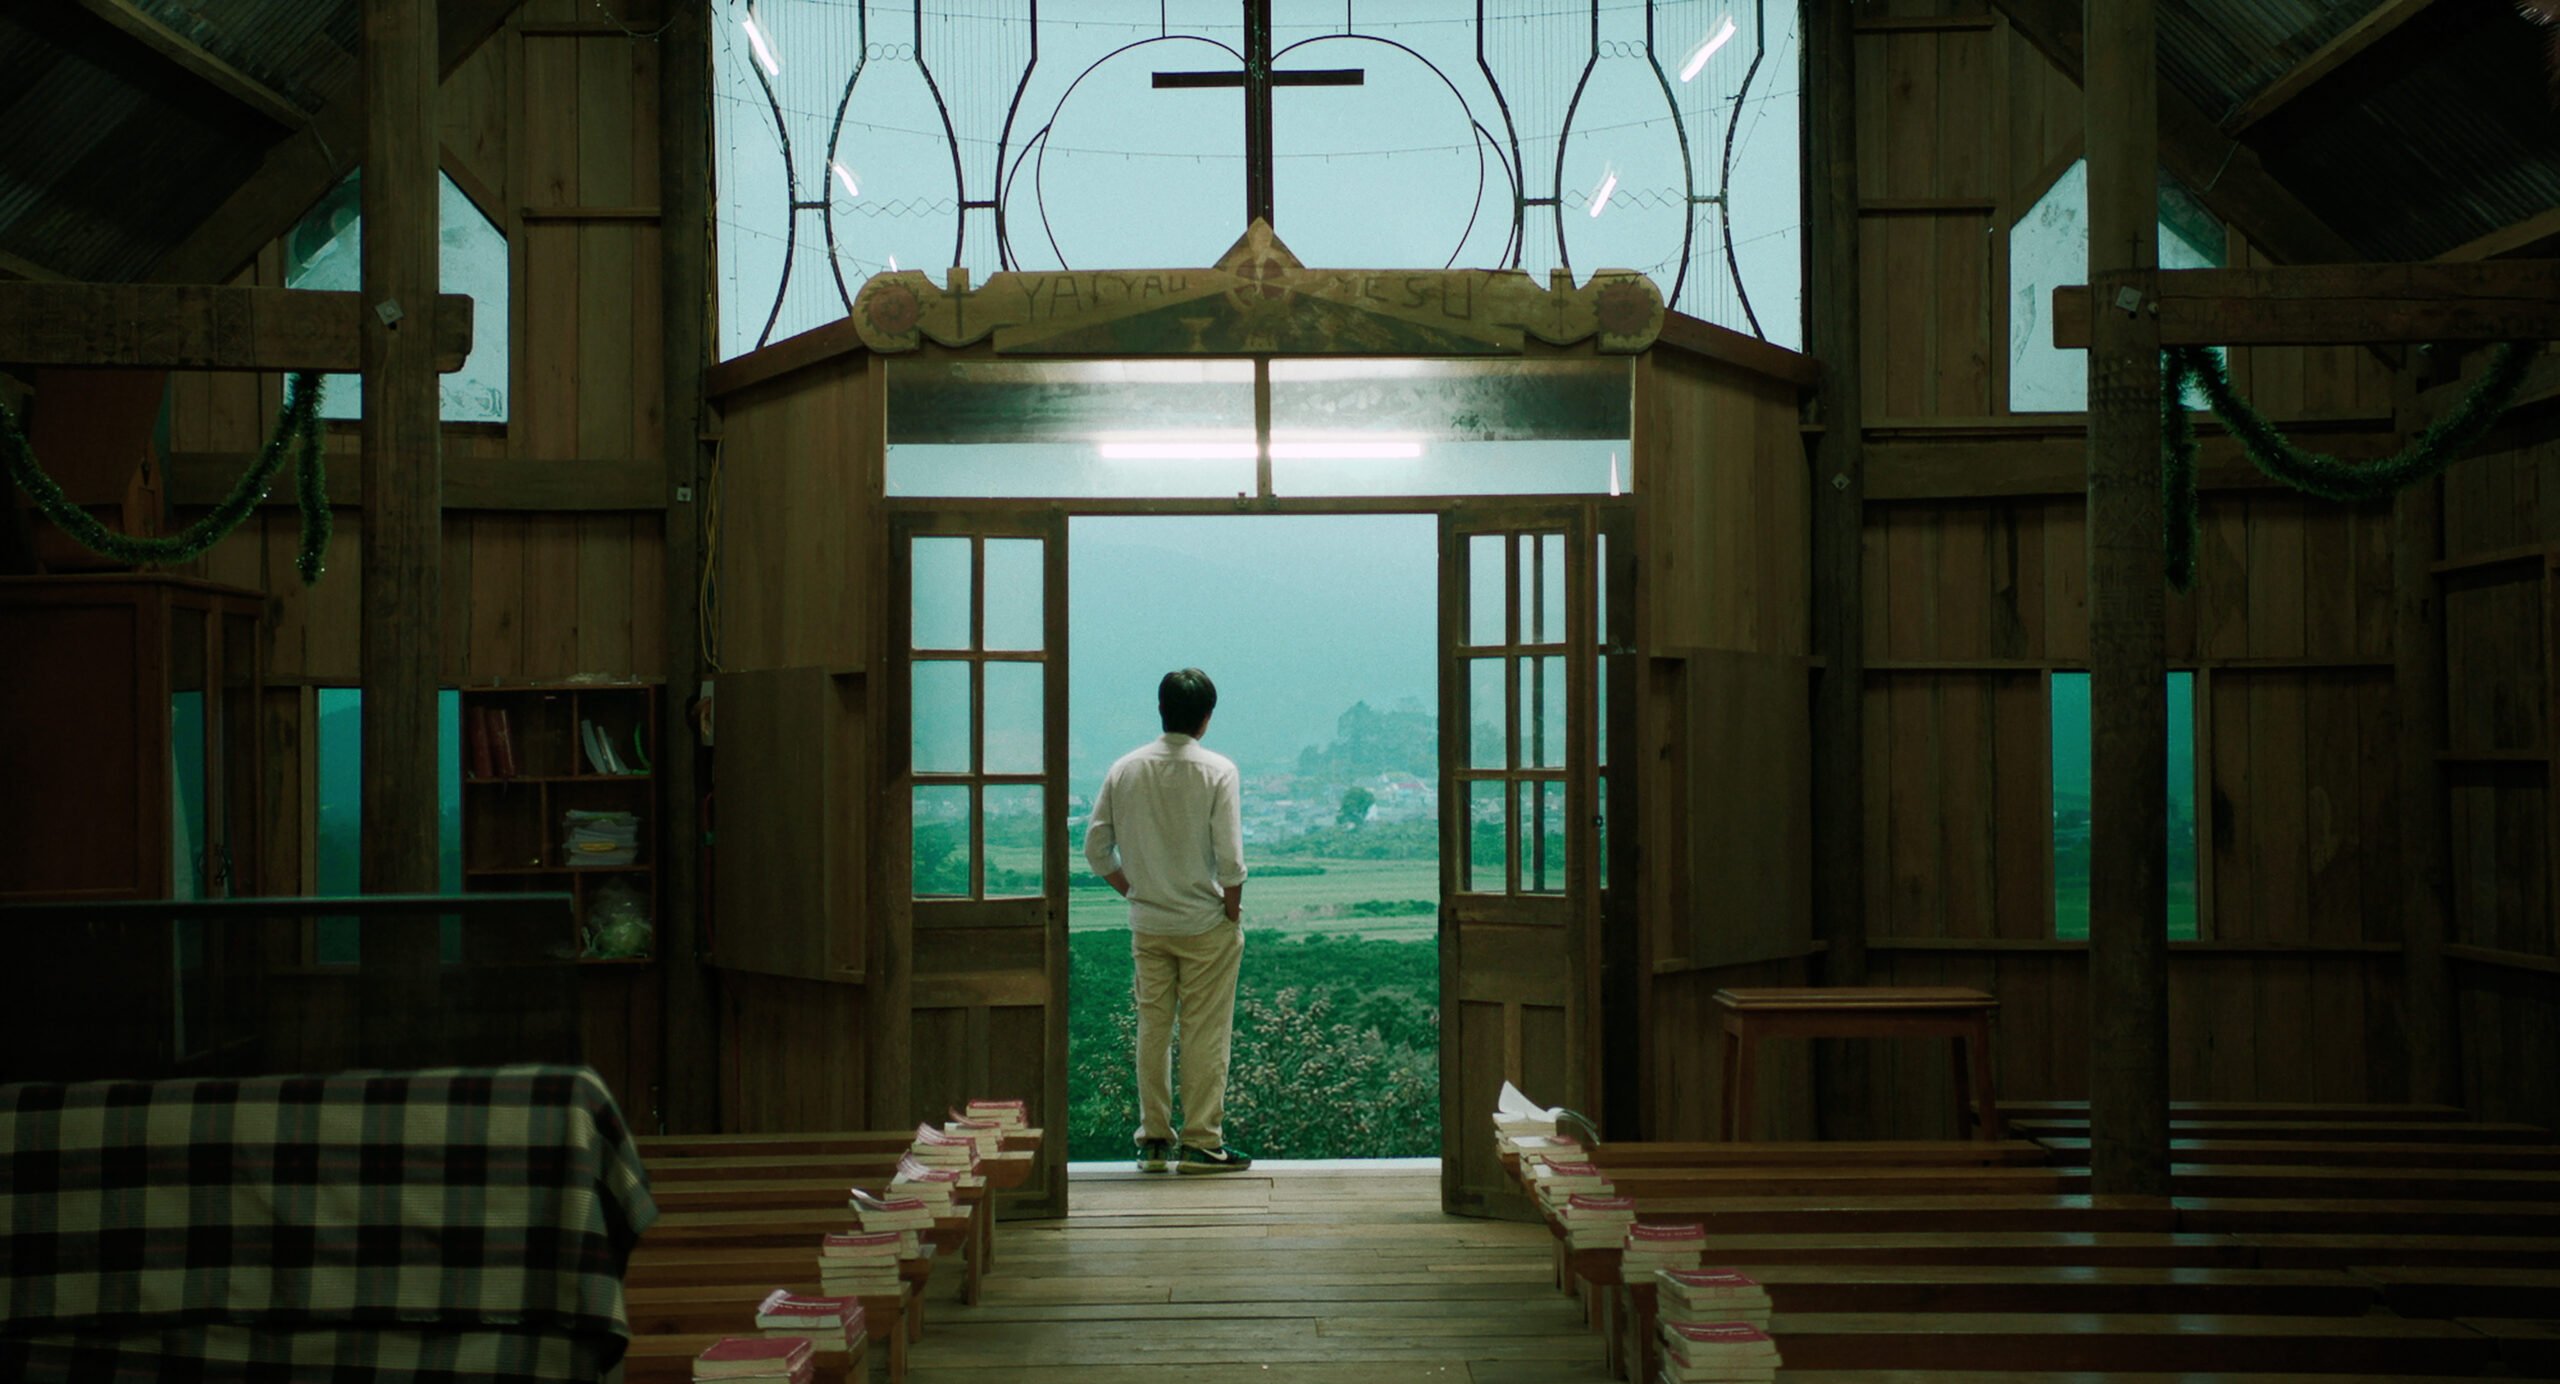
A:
{"x":1519,"y":837}
{"x":977,"y":786}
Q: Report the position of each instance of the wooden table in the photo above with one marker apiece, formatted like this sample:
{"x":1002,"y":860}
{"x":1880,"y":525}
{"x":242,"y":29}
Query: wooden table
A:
{"x":1850,"y":1011}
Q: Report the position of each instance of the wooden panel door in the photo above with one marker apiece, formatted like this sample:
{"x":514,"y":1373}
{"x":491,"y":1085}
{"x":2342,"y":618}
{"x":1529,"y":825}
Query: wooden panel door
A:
{"x":1519,"y":834}
{"x":977,"y":817}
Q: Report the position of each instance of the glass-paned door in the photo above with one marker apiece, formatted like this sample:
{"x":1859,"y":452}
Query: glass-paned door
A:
{"x":1520,"y":832}
{"x":977,"y":813}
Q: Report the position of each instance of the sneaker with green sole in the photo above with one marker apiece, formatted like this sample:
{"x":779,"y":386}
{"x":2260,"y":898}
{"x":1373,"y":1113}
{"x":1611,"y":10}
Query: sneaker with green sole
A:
{"x":1217,"y":1160}
{"x":1153,"y":1154}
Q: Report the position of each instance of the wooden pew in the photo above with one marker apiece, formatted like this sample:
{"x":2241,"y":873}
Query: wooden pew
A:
{"x":2470,"y":1291}
{"x":2365,"y":1131}
{"x":2187,"y":1110}
{"x":2349,"y":1249}
{"x":1985,"y":1342}
{"x":1930,"y":1288}
{"x":668,"y":1359}
{"x":2336,"y":1153}
{"x":707,"y":1311}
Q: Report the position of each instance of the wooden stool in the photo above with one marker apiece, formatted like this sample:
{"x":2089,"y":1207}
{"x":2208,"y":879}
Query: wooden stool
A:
{"x":1816,"y":1011}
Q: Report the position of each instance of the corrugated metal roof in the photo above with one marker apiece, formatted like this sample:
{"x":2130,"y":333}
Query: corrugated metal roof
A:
{"x":2219,"y":53}
{"x":298,"y":51}
{"x":2431,"y":143}
{"x":105,"y":161}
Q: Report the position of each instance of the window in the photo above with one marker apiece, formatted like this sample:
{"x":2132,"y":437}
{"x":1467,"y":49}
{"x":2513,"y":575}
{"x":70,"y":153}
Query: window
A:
{"x":2049,"y":248}
{"x":2071,"y":806}
{"x":859,"y":137}
{"x":323,"y":251}
{"x":340,"y":829}
{"x":979,"y":716}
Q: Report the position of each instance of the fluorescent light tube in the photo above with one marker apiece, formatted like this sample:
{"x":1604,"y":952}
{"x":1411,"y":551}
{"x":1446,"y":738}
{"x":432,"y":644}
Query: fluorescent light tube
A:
{"x":1600,"y":199}
{"x":1706,"y":49}
{"x":755,"y":40}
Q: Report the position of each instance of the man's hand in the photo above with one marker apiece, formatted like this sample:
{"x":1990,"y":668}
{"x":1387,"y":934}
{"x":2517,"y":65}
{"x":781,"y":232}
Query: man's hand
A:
{"x":1235,"y":905}
{"x":1119,"y":882}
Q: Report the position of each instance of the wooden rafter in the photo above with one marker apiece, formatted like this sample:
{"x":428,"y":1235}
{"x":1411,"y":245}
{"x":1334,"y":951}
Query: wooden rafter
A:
{"x":190,"y":56}
{"x":2378,"y":24}
{"x":298,"y":170}
{"x":2223,"y":172}
{"x":2536,"y":232}
{"x":200,"y":327}
{"x":2341,"y":304}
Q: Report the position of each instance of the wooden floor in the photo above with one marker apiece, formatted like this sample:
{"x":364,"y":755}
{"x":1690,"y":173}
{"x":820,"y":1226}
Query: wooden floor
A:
{"x":1326,"y":1277}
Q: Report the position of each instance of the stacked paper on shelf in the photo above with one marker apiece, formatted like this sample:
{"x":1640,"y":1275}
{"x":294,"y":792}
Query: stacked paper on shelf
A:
{"x":590,"y":839}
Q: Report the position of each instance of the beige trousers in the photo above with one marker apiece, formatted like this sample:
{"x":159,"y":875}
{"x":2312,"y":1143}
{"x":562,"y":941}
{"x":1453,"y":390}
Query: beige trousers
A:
{"x":1195,"y":976}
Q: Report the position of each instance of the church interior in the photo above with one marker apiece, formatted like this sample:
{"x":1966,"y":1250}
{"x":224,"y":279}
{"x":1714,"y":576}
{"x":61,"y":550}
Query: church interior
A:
{"x":1980,"y":734}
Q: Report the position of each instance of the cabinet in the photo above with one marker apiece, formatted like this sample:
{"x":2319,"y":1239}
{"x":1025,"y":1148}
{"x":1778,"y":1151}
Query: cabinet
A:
{"x":129,"y":741}
{"x":559,"y":793}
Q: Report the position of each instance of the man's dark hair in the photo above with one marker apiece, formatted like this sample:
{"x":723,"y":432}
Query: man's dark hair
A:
{"x":1184,"y":700}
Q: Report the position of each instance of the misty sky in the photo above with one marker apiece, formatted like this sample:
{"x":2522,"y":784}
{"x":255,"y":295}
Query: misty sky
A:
{"x":1295,"y":617}
{"x":1387,"y":174}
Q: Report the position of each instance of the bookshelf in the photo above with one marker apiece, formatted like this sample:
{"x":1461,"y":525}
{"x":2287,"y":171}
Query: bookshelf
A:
{"x":530,"y":758}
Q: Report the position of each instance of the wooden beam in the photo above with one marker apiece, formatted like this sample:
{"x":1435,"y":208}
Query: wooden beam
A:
{"x":2128,"y":994}
{"x":199,"y":327}
{"x":1708,"y":341}
{"x":19,"y":268}
{"x":2377,"y":25}
{"x":2341,"y":304}
{"x":400,"y":610}
{"x":585,"y":485}
{"x":2224,"y":173}
{"x":1971,"y":468}
{"x":2419,"y":696}
{"x":300,"y":168}
{"x":191,"y":57}
{"x":1841,"y":1069}
{"x":2537,"y":233}
{"x":690,"y":1099}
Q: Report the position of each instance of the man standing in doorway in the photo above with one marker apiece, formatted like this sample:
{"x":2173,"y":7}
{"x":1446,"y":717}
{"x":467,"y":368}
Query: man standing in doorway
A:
{"x":1168,"y":835}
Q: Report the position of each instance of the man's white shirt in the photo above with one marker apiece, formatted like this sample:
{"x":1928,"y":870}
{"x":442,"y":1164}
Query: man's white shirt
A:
{"x":1168,"y":815}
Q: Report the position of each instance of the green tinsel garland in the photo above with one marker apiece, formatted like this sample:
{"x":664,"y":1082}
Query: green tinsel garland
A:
{"x":297,"y":428}
{"x":2310,"y":472}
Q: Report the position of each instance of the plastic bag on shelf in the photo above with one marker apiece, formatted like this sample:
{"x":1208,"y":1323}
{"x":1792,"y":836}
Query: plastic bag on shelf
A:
{"x":618,"y":922}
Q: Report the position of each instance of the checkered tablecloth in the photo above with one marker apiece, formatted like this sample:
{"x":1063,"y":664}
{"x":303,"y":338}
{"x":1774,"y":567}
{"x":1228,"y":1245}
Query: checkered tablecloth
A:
{"x":452,"y":1224}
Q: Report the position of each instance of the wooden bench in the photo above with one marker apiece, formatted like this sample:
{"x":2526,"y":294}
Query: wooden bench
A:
{"x":2335,"y":1153}
{"x":1987,"y":1342}
{"x":1750,"y":1015}
{"x":2365,"y":1131}
{"x":668,"y":1359}
{"x":2470,"y":1291}
{"x":1929,"y":1288}
{"x":2247,"y":1110}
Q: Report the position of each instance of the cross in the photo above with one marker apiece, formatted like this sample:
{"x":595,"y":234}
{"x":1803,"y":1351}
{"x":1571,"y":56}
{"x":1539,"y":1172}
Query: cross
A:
{"x":1258,"y":79}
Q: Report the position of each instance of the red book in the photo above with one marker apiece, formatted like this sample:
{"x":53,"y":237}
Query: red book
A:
{"x":476,"y":733}
{"x":909,"y":1170}
{"x":1580,"y":1201}
{"x":864,"y":1201}
{"x":733,"y":1356}
{"x":1706,"y":1280}
{"x":848,"y":1246}
{"x":1558,"y":1170}
{"x":927,"y":1134}
{"x":1666,"y":1234}
{"x":1022,"y":1107}
{"x":821,"y":1317}
{"x":502,"y":745}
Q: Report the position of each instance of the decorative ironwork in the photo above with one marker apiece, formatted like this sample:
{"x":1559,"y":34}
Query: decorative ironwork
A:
{"x":972,"y":56}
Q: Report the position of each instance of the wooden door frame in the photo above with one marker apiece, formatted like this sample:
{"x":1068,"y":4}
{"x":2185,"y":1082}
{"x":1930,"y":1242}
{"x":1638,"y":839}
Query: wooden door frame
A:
{"x":893,"y":840}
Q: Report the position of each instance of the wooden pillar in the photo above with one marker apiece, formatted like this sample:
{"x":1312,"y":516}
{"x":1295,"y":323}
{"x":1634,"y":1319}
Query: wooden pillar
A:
{"x":690,"y":1094}
{"x":403,"y":496}
{"x":2128,"y":674}
{"x":1839,"y":524}
{"x":2418,"y":699}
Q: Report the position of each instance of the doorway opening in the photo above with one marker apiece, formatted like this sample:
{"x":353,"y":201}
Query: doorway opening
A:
{"x":1320,"y":631}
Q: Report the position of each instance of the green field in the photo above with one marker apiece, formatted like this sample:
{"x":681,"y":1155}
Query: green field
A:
{"x":1337,"y":1035}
